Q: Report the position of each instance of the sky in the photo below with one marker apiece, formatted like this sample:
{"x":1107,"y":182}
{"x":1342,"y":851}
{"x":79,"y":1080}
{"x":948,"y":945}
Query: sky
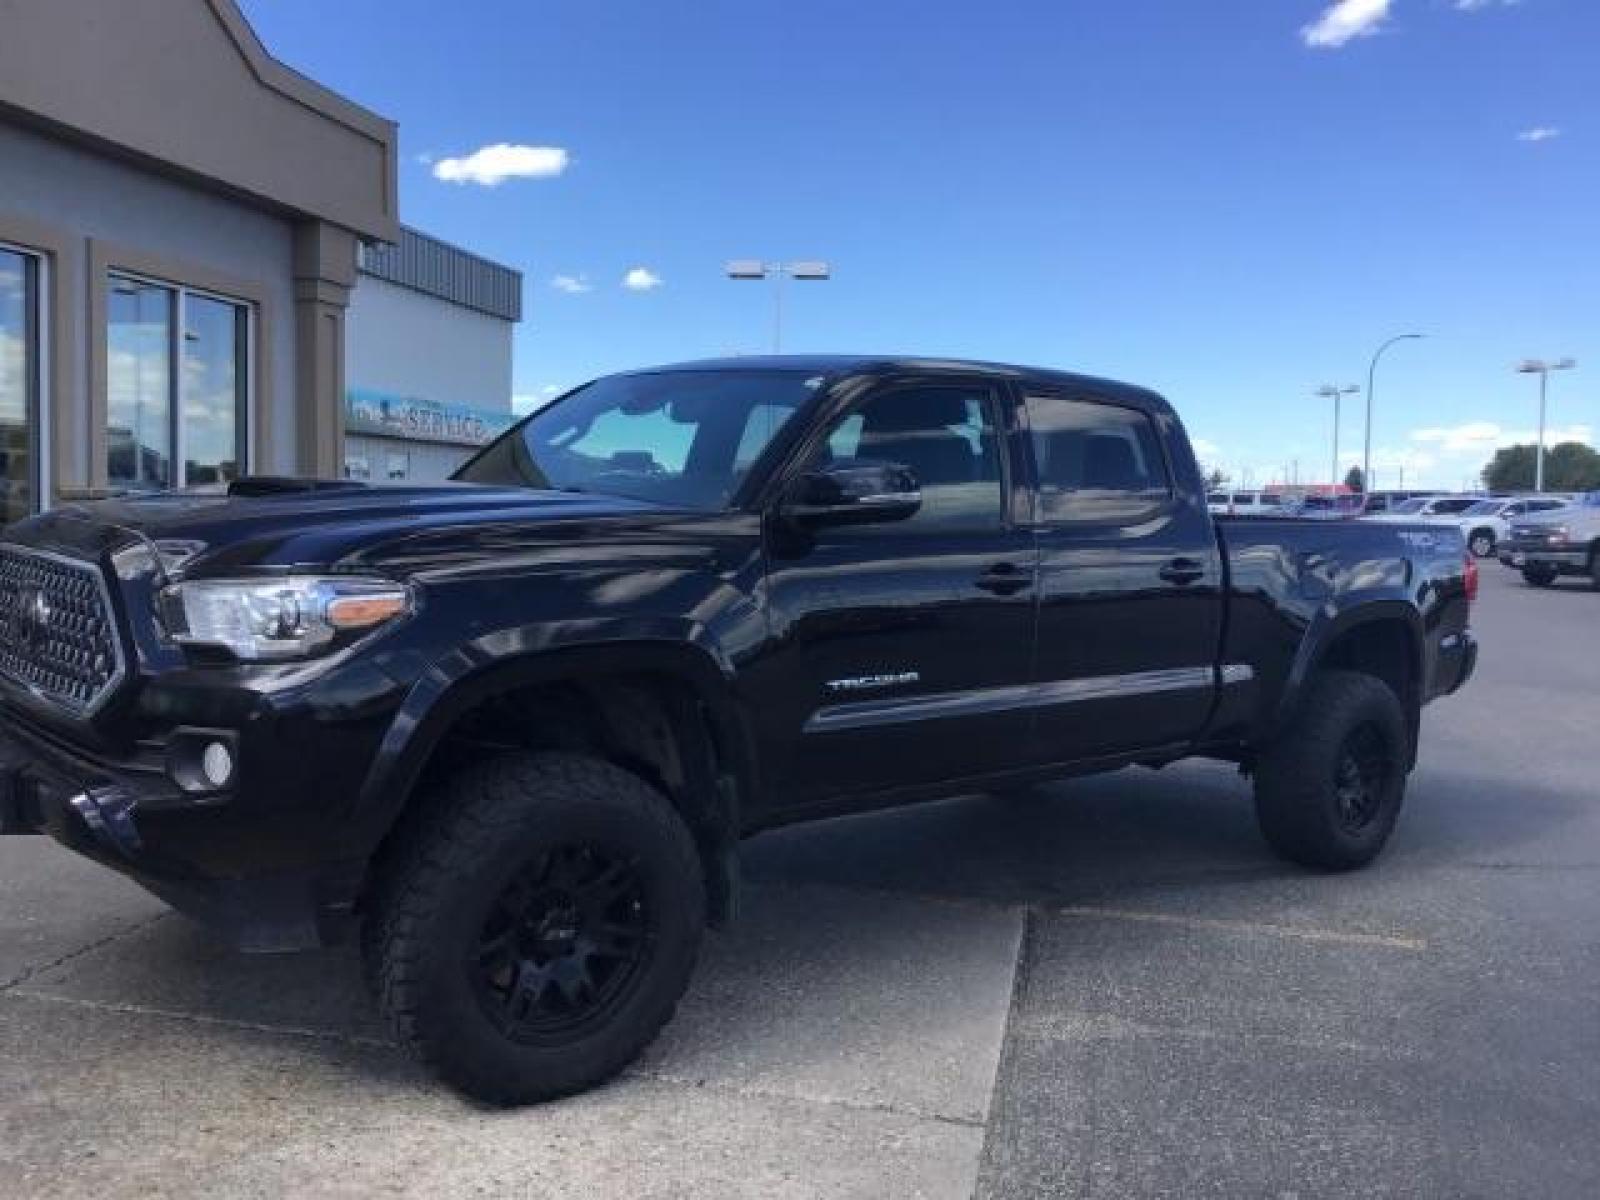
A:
{"x":1232,"y":201}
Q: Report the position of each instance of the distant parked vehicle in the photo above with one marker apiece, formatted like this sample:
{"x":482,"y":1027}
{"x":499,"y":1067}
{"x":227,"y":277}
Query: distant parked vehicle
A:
{"x":1425,"y":506}
{"x":1246,"y":504}
{"x":1562,"y":541}
{"x":1377,"y":502}
{"x":1488,"y":522}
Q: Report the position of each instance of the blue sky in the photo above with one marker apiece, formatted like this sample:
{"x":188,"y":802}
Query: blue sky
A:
{"x":1232,"y":201}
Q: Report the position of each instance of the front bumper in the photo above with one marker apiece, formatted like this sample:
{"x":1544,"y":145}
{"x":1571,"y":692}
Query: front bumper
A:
{"x":1574,"y":562}
{"x":194,"y":852}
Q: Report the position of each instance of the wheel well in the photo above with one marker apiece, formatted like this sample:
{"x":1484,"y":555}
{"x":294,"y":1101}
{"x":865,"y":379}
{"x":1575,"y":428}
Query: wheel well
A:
{"x":652,"y":724}
{"x":1386,"y":650}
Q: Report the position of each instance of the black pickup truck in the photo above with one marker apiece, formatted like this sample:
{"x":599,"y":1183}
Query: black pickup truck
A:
{"x":513,"y":728}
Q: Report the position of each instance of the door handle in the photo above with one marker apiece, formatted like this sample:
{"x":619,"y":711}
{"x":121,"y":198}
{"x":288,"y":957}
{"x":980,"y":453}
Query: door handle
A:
{"x":1182,"y":570}
{"x":1004,"y":579}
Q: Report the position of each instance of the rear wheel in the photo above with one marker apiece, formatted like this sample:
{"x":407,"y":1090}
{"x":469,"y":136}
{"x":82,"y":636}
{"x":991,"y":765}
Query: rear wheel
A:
{"x":1481,"y":543}
{"x":534,"y":932}
{"x":1594,"y":568}
{"x":1538,"y":576}
{"x":1328,"y":792}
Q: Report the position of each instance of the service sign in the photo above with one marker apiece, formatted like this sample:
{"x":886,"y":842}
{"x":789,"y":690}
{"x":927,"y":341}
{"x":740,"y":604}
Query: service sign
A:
{"x":383,"y":414}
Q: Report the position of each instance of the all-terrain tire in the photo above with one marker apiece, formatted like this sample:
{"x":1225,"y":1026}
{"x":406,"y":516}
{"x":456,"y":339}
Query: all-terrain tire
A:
{"x":1328,"y":792}
{"x":499,"y":830}
{"x":1539,"y":577}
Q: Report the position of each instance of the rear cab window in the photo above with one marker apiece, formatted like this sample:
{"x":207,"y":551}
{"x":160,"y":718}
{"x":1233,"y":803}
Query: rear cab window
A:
{"x":1094,"y":461}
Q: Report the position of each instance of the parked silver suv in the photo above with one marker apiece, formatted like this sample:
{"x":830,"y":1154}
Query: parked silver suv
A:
{"x":1563,"y":542}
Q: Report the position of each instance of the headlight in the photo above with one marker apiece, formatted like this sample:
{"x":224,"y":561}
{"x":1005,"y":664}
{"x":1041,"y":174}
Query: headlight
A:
{"x":288,"y":617}
{"x":1556,"y":533}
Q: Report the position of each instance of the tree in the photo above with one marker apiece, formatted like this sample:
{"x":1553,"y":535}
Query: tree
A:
{"x":1216,"y":479}
{"x":1355,"y":480}
{"x":1568,"y":467}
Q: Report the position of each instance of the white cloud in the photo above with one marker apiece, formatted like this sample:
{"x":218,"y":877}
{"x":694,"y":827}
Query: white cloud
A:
{"x":491,"y":166}
{"x":1342,"y":21}
{"x":641,"y":279}
{"x":1483,"y":438}
{"x":1206,"y":451}
{"x":1481,"y":5}
{"x":523,"y":403}
{"x":573,"y":285}
{"x":1539,"y":133}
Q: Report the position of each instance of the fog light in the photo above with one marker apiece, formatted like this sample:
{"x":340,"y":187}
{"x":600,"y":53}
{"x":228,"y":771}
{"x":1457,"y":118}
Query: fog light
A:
{"x":216,"y":764}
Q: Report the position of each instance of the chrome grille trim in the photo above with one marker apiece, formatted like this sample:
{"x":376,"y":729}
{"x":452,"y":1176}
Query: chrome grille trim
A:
{"x":75,"y":661}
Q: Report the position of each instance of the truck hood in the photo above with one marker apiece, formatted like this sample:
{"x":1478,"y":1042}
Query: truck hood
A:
{"x":310,"y":526}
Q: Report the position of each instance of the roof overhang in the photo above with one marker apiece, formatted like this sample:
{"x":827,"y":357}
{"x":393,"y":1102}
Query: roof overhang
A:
{"x":186,"y":87}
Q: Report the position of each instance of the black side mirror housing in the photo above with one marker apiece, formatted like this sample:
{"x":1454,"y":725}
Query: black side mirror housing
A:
{"x":853,"y":491}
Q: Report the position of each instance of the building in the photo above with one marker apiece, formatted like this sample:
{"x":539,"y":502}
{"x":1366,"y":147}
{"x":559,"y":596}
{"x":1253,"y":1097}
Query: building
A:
{"x":180,"y":222}
{"x":428,"y":361}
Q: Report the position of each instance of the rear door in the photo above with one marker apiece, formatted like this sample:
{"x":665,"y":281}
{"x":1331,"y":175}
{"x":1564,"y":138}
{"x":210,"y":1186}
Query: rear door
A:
{"x":1130,"y":580}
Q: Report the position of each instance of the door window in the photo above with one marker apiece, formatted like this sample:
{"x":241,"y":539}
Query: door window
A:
{"x":177,"y":385}
{"x":948,"y":438}
{"x":1095,"y":462}
{"x":19,"y":383}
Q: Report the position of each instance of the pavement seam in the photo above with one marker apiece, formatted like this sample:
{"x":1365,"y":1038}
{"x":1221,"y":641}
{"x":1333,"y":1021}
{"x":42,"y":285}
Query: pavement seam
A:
{"x":1005,"y":1069}
{"x":1302,"y":933}
{"x":1106,"y":1027}
{"x":763,"y":1093}
{"x":169,"y":1014}
{"x":88,"y":948}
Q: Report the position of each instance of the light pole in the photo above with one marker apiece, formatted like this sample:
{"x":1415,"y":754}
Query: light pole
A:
{"x":754,"y":268}
{"x":1372,"y":370}
{"x":1336,"y":394}
{"x":1542,"y":368}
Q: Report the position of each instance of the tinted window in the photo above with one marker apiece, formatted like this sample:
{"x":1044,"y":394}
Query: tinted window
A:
{"x":1216,"y":498}
{"x":1454,"y":505}
{"x":1243,"y":498}
{"x":945,"y":435}
{"x":1096,"y":462}
{"x":675,"y":437}
{"x":1271,"y":500}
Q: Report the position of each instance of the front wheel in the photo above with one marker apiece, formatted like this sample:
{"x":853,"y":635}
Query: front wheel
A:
{"x":536,"y":925}
{"x":1328,"y":792}
{"x":1539,"y":577}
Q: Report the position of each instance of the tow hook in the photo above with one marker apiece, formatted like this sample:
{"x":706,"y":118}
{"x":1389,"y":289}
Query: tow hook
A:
{"x":108,"y":812}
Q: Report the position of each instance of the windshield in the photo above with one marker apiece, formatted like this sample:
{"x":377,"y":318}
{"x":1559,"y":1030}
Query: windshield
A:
{"x":677,"y":437}
{"x":1484,"y":508}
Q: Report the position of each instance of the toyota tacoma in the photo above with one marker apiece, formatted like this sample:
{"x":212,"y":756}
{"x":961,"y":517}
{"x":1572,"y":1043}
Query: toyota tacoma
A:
{"x":509,"y":731}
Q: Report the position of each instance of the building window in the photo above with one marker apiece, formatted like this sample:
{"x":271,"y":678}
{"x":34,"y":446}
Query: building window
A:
{"x":20,"y":369}
{"x":177,"y":385}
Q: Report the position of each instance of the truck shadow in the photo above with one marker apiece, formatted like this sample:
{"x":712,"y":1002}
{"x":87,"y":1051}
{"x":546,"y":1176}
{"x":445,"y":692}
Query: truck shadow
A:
{"x":858,"y":932}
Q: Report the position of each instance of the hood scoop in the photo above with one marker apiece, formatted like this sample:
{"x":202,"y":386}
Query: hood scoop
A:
{"x":289,"y":485}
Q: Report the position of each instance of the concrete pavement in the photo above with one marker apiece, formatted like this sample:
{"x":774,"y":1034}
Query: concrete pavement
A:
{"x":1107,"y":987}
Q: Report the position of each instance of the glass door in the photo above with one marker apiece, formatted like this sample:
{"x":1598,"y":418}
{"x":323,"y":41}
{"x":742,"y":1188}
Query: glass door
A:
{"x":19,"y":384}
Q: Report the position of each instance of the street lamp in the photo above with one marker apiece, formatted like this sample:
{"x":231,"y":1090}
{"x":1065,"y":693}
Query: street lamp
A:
{"x":1541,"y":368}
{"x":1372,"y":368}
{"x":754,"y":268}
{"x":1336,"y":394}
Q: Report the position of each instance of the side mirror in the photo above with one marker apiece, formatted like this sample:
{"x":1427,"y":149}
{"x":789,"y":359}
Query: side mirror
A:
{"x":853,"y":491}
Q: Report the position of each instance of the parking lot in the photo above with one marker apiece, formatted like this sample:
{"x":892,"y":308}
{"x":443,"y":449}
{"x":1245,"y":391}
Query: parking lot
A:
{"x":1108,"y":987}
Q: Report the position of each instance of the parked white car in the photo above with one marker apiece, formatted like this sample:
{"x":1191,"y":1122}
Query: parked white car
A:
{"x":1246,"y":504}
{"x":1488,"y":523}
{"x":1422,"y":507}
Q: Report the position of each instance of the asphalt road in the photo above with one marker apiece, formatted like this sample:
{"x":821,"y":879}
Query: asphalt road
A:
{"x":1103,"y":988}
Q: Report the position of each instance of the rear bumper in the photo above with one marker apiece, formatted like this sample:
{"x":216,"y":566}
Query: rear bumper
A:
{"x":1458,"y":659}
{"x":181,"y":847}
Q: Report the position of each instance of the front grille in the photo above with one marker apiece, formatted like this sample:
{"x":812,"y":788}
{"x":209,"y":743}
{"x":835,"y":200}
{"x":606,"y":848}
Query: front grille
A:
{"x":57,"y":637}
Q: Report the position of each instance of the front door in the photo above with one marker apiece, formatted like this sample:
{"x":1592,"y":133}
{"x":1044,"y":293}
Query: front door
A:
{"x":897,"y":642}
{"x":1130,"y":577}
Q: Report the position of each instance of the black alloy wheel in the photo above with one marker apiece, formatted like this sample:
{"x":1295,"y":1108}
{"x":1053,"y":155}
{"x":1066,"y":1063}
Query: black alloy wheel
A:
{"x":563,"y":943}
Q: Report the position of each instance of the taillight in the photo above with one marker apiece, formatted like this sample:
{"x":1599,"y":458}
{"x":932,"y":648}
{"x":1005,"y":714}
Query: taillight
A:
{"x":1472,"y":578}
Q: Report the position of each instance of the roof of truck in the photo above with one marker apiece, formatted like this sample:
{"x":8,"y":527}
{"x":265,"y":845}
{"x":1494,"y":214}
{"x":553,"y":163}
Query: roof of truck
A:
{"x":888,"y":364}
